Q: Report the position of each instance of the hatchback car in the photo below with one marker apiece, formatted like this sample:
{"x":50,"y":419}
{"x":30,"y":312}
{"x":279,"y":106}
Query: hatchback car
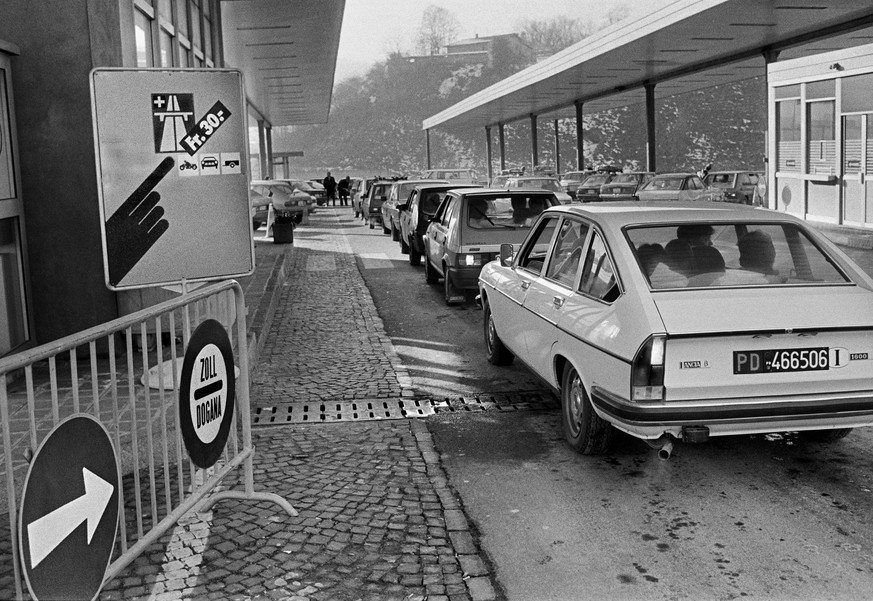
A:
{"x":377,"y":193}
{"x":415,"y":215}
{"x":674,"y":186}
{"x":468,"y":228}
{"x":736,"y":186}
{"x":685,"y":321}
{"x":624,"y":186}
{"x":399,"y":193}
{"x":315,"y":190}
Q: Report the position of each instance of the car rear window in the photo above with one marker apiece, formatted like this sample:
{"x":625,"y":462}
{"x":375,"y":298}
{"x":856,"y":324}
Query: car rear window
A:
{"x":506,"y":211}
{"x":625,"y":178}
{"x":715,"y":255}
{"x":596,"y":180}
{"x":665,"y":183}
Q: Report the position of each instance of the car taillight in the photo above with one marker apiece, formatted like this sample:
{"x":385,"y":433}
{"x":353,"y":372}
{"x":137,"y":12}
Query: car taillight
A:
{"x":647,"y":371}
{"x":470,"y":259}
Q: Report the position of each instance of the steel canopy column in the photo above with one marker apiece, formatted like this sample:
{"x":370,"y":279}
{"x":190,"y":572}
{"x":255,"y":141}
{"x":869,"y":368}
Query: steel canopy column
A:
{"x":262,"y":149}
{"x":490,"y":172}
{"x":502,"y":141}
{"x":427,"y":148}
{"x":770,"y":56}
{"x":534,"y":151}
{"x":557,"y":150}
{"x":650,"y":127}
{"x":269,"y":136}
{"x":580,"y":138}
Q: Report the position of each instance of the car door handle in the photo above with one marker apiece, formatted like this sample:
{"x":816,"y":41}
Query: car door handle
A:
{"x":558,"y":302}
{"x":525,"y":285}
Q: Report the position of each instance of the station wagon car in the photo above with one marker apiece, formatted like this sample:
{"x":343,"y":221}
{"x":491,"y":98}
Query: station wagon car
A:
{"x":399,"y":193}
{"x":588,"y":189}
{"x":415,"y":214}
{"x":685,"y":321}
{"x":468,"y":228}
{"x":736,"y":186}
{"x":674,"y":186}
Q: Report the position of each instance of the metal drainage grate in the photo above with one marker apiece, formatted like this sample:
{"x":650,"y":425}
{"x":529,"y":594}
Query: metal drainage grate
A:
{"x":397,"y":408}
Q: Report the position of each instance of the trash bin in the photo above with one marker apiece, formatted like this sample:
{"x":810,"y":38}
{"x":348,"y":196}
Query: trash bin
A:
{"x":283,"y":233}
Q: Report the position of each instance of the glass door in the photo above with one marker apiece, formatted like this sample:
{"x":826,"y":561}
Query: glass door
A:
{"x":14,"y":331}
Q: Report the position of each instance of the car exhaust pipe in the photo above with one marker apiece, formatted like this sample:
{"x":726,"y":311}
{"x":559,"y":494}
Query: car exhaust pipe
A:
{"x":664,"y":444}
{"x":665,"y":451}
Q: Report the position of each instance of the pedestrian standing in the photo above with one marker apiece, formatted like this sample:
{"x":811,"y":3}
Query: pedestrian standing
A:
{"x":329,"y":184}
{"x":343,"y":189}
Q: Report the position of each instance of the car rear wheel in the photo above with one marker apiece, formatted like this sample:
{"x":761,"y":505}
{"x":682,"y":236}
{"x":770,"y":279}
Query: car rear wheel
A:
{"x":385,"y":230}
{"x":430,"y":274}
{"x":395,"y":233}
{"x":584,"y":430}
{"x":495,"y":351}
{"x":371,"y":224}
{"x":404,"y":246}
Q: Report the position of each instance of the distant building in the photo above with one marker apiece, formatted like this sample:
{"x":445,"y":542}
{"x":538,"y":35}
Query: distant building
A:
{"x":482,"y":49}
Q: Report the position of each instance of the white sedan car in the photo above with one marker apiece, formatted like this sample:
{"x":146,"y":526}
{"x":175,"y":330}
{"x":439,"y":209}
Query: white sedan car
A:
{"x":684,"y":321}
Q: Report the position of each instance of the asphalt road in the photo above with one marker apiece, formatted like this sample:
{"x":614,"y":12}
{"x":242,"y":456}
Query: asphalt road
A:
{"x":766,"y":517}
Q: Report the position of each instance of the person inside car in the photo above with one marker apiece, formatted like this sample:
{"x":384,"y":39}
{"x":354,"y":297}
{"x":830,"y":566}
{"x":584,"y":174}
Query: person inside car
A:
{"x":535,"y":207}
{"x":675,"y":267}
{"x":757,"y":254}
{"x":477,"y":213}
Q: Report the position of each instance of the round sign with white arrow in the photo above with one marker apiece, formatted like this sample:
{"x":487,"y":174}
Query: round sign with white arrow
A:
{"x":69,"y":511}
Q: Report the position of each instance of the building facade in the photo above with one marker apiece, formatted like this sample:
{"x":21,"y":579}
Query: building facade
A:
{"x":821,"y":137}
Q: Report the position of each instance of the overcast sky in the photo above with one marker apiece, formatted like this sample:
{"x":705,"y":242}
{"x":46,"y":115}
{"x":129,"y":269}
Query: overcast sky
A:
{"x":373,"y":28}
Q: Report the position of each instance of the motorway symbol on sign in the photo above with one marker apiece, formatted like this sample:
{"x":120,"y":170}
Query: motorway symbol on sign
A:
{"x":206,"y":393}
{"x":172,"y":117}
{"x":69,"y":511}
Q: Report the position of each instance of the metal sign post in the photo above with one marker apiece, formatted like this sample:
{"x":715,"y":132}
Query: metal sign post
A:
{"x":172,"y":161}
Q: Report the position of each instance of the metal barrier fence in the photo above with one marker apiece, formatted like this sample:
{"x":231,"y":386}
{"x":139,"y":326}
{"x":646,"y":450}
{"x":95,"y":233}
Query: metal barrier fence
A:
{"x":126,"y":374}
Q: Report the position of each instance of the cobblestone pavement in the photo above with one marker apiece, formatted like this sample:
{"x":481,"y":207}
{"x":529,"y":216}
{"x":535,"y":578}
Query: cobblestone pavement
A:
{"x":377,"y":519}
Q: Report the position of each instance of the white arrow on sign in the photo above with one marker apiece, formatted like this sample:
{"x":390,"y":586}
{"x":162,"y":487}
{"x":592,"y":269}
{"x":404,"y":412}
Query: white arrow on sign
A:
{"x":50,"y":530}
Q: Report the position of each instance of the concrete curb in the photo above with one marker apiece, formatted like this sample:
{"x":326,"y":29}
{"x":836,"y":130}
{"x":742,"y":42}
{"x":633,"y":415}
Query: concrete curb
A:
{"x":477,"y":575}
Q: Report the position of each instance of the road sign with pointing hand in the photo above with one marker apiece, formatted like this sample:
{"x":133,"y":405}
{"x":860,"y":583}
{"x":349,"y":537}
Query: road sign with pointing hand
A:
{"x":69,"y":511}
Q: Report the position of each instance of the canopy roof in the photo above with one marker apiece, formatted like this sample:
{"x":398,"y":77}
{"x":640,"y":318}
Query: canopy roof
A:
{"x":287,"y":50}
{"x":685,"y":46}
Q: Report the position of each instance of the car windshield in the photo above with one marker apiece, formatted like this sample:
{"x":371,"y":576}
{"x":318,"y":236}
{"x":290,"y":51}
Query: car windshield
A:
{"x":499,"y":182}
{"x":501,"y":212}
{"x":625,"y":178}
{"x":719,"y":180}
{"x":665,"y":183}
{"x":717,"y":255}
{"x":576,"y":176}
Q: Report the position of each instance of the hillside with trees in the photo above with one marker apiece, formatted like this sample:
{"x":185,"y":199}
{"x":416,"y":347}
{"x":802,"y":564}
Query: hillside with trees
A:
{"x":375,"y":120}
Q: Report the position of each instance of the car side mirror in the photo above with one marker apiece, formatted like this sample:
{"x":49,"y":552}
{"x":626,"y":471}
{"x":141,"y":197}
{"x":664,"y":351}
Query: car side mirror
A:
{"x":507,"y":254}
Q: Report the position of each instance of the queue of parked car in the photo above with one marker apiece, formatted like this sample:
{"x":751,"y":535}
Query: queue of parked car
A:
{"x":642,"y":310}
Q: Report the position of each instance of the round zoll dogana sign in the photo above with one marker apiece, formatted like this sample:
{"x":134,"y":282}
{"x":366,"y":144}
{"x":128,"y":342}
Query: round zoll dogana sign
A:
{"x":206,"y":393}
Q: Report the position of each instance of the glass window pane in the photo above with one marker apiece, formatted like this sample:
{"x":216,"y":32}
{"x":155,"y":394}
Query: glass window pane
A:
{"x":534,"y":255}
{"x":7,"y":174}
{"x":598,"y":277}
{"x":166,"y":49}
{"x":207,"y":39}
{"x":143,"y":32}
{"x":567,"y":255}
{"x":821,"y":121}
{"x":182,"y":18}
{"x":788,"y":117}
{"x":165,"y":9}
{"x":195,"y":25}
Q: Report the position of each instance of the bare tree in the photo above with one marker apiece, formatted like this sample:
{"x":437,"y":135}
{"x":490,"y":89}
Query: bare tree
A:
{"x":617,"y":13}
{"x":438,"y":27}
{"x":549,"y":37}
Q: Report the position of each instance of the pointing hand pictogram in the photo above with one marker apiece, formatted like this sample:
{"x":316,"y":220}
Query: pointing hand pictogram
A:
{"x":137,"y":224}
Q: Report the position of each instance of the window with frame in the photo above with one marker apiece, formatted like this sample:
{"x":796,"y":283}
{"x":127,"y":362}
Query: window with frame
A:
{"x":533,"y":256}
{"x":142,"y":26}
{"x":568,"y":252}
{"x":598,"y":275}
